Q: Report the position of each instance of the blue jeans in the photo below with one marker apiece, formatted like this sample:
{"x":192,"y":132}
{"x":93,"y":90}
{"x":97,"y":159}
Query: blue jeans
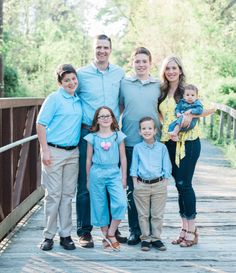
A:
{"x":183,"y":176}
{"x":82,"y":195}
{"x":132,"y":211}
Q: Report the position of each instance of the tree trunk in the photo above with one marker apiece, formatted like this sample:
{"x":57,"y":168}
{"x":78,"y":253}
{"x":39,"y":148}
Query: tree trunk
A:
{"x":1,"y":56}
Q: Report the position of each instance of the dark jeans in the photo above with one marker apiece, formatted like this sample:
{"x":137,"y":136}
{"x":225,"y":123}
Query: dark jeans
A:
{"x":183,"y":176}
{"x":82,"y":196}
{"x":132,"y":211}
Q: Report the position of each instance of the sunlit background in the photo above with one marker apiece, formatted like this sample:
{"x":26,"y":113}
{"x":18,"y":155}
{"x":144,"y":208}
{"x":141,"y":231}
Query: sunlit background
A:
{"x":39,"y":35}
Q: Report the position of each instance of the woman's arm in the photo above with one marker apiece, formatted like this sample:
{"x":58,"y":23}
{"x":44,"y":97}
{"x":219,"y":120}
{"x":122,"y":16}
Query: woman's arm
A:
{"x":45,"y":153}
{"x":188,"y":118}
{"x":123,"y":163}
{"x":89,"y":161}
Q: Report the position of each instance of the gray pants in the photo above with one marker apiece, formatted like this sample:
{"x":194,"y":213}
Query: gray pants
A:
{"x":59,"y":181}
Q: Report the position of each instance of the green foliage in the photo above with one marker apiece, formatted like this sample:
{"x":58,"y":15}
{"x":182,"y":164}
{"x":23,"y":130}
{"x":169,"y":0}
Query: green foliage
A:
{"x":39,"y":35}
{"x":11,"y":83}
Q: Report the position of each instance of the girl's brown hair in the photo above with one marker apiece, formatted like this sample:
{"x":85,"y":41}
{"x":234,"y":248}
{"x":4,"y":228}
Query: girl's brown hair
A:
{"x":165,"y":85}
{"x":95,"y":125}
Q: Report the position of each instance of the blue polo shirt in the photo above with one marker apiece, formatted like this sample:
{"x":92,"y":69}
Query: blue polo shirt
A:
{"x":61,"y":114}
{"x":139,"y":100}
{"x":98,"y":89}
{"x":150,"y":161}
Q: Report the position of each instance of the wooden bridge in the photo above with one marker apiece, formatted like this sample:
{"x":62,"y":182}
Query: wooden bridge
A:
{"x":20,"y":195}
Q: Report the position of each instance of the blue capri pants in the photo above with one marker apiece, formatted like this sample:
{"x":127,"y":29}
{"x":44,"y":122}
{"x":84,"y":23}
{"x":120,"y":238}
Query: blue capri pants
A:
{"x":105,"y":178}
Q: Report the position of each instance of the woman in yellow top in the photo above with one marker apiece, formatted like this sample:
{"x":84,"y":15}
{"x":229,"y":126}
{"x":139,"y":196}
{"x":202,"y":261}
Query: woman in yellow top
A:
{"x":185,"y":152}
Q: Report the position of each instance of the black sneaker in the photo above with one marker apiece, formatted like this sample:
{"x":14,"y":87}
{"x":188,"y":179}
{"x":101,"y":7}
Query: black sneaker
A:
{"x":67,"y":243}
{"x":119,"y":238}
{"x":159,"y":245}
{"x":145,"y":246}
{"x":86,"y":240}
{"x":47,"y":244}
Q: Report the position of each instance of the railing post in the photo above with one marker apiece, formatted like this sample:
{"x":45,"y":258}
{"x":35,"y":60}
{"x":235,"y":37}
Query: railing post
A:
{"x":221,"y":132}
{"x":228,"y":126}
{"x":234,"y":130}
{"x":211,"y":126}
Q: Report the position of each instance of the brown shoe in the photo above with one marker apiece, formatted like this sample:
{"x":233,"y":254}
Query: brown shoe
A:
{"x":86,"y":240}
{"x":188,"y":243}
{"x":180,"y":238}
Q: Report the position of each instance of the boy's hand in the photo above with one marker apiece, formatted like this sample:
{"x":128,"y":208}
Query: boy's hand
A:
{"x":46,"y":157}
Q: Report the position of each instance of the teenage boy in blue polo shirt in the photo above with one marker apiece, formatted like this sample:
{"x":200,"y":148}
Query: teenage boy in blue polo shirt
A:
{"x":58,"y":128}
{"x":99,"y":86}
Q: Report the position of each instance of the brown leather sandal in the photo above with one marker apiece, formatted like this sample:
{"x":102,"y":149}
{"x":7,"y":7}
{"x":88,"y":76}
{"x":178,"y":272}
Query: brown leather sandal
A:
{"x":189,"y":243}
{"x":180,"y":238}
{"x":114,"y":245}
{"x":106,"y":246}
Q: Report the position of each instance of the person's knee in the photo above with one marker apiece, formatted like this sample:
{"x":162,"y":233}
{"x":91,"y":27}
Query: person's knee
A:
{"x":183,"y":186}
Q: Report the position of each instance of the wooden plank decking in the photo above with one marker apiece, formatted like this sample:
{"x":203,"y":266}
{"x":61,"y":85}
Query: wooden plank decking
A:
{"x":215,"y":185}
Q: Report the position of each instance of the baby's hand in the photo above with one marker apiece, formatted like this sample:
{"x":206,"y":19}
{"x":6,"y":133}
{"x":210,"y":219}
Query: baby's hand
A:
{"x":178,"y":115}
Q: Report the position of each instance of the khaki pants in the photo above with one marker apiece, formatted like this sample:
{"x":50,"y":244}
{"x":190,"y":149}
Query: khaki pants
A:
{"x":150,"y":200}
{"x":59,"y":181}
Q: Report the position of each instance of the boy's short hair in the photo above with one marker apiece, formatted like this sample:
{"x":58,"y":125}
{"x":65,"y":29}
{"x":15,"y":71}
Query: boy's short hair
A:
{"x":103,"y":37}
{"x":191,"y":87}
{"x":142,"y":50}
{"x":64,"y":69}
{"x":146,"y":119}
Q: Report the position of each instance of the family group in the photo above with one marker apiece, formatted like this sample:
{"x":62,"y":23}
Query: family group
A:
{"x":113,"y":170}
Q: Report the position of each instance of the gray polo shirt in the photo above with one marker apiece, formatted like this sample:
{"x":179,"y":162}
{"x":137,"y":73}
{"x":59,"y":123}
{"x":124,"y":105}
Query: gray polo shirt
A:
{"x":139,"y":100}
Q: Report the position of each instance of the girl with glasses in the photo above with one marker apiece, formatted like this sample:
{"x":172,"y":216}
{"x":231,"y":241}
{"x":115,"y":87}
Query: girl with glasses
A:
{"x":105,"y":149}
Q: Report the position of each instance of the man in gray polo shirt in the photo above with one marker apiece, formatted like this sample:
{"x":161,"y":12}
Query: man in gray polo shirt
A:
{"x":138,"y":98}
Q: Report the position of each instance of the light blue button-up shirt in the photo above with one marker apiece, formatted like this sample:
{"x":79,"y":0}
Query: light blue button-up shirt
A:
{"x":98,"y":89}
{"x":61,"y":114}
{"x":150,"y":161}
{"x":139,"y":100}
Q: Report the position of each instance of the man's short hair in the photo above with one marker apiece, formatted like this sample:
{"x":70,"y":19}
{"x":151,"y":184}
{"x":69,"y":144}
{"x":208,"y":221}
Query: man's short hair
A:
{"x":104,"y":37}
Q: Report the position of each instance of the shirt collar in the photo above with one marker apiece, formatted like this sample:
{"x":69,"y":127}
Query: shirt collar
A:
{"x":135,"y":78}
{"x":98,"y":71}
{"x":149,"y":146}
{"x":67,"y":95}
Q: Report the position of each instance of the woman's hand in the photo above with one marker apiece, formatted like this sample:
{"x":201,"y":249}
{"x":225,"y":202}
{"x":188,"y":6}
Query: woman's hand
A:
{"x":186,"y":120}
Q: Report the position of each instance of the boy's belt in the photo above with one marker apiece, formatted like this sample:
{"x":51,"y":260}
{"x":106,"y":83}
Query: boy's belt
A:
{"x":67,"y":148}
{"x":158,"y":179}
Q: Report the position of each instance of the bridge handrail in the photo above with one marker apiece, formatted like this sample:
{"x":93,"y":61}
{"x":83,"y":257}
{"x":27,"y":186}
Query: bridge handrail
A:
{"x":20,"y":168}
{"x":227,"y":122}
{"x":17,"y":143}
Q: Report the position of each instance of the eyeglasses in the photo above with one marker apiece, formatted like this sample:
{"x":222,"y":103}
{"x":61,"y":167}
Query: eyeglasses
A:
{"x":104,"y":117}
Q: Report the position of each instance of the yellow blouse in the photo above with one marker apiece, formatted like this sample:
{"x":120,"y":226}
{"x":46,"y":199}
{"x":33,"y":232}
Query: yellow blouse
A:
{"x":167,"y":109}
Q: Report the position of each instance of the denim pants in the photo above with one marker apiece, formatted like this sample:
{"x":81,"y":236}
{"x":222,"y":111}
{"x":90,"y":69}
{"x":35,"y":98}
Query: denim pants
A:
{"x":82,"y":196}
{"x":132,"y":211}
{"x":183,"y":176}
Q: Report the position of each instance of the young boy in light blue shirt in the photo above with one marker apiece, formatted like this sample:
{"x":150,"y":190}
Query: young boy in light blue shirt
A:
{"x":150,"y":170}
